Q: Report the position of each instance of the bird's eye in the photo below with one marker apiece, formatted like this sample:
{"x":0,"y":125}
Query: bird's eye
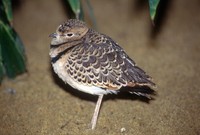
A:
{"x":69,"y":34}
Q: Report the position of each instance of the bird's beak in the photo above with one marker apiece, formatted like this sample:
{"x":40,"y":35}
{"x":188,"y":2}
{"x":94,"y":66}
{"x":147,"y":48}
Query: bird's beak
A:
{"x":53,"y":35}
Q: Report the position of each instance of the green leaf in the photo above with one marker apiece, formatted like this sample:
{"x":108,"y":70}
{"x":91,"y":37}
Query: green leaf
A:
{"x":12,"y":55}
{"x":1,"y":66}
{"x":153,"y":4}
{"x":18,"y":42}
{"x":3,"y":15}
{"x":91,"y":14}
{"x":76,"y":7}
{"x":8,"y":10}
{"x":81,"y":14}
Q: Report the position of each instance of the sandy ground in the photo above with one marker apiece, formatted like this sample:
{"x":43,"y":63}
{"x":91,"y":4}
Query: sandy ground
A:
{"x":41,"y":104}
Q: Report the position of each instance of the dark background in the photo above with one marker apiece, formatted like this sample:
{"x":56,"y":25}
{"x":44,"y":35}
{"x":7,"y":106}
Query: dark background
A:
{"x":169,"y":52}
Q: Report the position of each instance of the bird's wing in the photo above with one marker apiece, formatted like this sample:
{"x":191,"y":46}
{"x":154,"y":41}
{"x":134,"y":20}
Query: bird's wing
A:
{"x":105,"y":65}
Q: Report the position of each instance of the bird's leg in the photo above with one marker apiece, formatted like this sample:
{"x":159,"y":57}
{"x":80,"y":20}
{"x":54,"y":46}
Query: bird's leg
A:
{"x":96,"y":111}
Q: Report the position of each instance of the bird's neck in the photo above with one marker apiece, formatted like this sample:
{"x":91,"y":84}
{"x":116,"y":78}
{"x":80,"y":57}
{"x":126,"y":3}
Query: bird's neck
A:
{"x":56,"y":51}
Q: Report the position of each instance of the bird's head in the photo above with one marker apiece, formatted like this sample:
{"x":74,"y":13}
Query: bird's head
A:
{"x":71,"y":30}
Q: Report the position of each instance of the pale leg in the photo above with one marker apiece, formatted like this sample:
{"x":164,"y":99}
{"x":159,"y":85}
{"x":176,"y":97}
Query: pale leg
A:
{"x":96,"y":111}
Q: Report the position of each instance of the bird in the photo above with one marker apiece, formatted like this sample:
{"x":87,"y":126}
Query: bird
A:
{"x":93,"y":63}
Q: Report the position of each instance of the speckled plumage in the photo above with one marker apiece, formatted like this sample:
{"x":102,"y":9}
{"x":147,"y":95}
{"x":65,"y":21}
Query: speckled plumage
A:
{"x":92,"y":62}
